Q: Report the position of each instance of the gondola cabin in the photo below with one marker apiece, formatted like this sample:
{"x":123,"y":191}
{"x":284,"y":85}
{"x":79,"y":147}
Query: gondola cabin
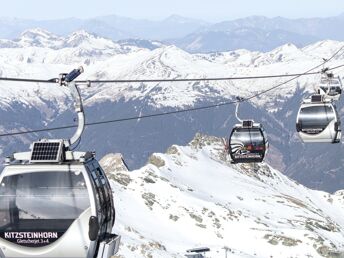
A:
{"x":330,"y":86}
{"x":55,"y":203}
{"x":318,"y":121}
{"x":248,"y":143}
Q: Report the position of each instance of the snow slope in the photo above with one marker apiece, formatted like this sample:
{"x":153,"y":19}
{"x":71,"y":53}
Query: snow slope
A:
{"x":193,"y":197}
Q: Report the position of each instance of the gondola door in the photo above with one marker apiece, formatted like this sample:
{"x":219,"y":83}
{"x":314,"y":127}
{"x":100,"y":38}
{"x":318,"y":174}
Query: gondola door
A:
{"x":104,"y":221}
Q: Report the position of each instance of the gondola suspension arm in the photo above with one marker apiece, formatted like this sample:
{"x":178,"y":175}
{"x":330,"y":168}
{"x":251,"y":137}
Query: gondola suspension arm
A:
{"x":239,"y":100}
{"x":67,"y":80}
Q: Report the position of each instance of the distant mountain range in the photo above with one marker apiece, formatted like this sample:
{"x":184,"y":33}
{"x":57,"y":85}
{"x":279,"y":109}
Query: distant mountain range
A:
{"x":253,"y":39}
{"x":39,"y":53}
{"x":255,"y":33}
{"x":113,"y":27}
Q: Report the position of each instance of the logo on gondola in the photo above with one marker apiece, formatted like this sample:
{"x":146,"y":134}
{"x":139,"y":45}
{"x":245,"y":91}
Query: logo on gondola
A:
{"x":238,"y":148}
{"x":313,"y":130}
{"x":31,"y":239}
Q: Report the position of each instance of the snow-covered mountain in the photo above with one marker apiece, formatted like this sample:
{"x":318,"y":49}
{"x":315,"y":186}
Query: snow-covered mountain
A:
{"x":193,"y":197}
{"x":41,"y":54}
{"x":114,"y":60}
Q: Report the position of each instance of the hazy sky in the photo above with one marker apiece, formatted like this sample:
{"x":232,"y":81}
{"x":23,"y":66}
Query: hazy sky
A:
{"x":211,"y":10}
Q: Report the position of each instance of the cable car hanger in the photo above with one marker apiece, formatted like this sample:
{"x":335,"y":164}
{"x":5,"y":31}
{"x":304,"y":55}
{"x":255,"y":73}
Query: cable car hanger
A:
{"x":67,"y":80}
{"x":239,"y":100}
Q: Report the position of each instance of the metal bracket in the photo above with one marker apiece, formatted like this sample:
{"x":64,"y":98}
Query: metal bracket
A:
{"x":67,"y":81}
{"x":80,"y":112}
{"x":239,"y":99}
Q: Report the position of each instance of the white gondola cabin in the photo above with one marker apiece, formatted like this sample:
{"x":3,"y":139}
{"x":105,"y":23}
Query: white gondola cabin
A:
{"x":330,"y":86}
{"x":55,"y":202}
{"x":318,"y":121}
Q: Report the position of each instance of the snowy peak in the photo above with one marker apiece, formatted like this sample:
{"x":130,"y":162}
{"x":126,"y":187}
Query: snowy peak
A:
{"x":80,"y":36}
{"x":285,"y":53}
{"x":83,"y":38}
{"x":287,"y":48}
{"x":192,"y":196}
{"x":38,"y":37}
{"x":38,"y":33}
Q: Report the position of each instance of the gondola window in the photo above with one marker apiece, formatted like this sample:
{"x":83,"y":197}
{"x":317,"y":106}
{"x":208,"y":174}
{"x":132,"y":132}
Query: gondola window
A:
{"x":40,"y":205}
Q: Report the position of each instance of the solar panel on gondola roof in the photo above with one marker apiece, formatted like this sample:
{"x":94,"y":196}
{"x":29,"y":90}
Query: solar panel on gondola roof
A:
{"x":317,"y":98}
{"x":247,"y":123}
{"x":46,"y":151}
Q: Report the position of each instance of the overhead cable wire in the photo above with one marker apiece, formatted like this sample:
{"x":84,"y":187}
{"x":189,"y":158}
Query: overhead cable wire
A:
{"x":256,"y":77}
{"x":336,"y":67}
{"x":56,"y":80}
{"x":28,"y":80}
{"x":182,"y":110}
